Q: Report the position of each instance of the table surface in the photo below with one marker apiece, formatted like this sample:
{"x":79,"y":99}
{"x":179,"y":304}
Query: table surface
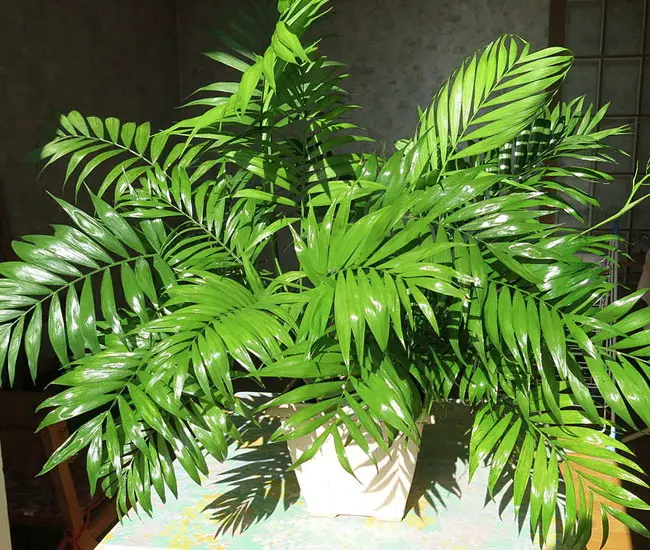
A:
{"x":250,"y":502}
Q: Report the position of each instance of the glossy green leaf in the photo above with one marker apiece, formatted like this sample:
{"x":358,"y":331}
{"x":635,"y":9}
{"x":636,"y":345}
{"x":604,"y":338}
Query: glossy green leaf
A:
{"x":634,"y":524}
{"x":117,"y":224}
{"x":290,"y":41}
{"x":142,"y":137}
{"x":132,"y":292}
{"x":94,"y":461}
{"x":356,"y":435}
{"x":615,"y":492}
{"x":77,"y":240}
{"x":424,"y":305}
{"x":166,"y":464}
{"x":571,"y":502}
{"x":33,"y":340}
{"x":14,"y":348}
{"x":148,"y":410}
{"x":506,"y":322}
{"x":44,"y":258}
{"x":553,"y":332}
{"x":342,"y":317}
{"x":484,"y":446}
{"x":608,"y":389}
{"x":633,"y":386}
{"x":57,"y":331}
{"x":5,"y":337}
{"x":145,"y":280}
{"x":538,"y":485}
{"x":523,"y":470}
{"x":73,"y":323}
{"x":491,"y":317}
{"x":612,"y":312}
{"x":367,"y":422}
{"x":340,"y":452}
{"x":249,"y":83}
{"x":133,"y":431}
{"x":29,"y":274}
{"x":113,"y":446}
{"x":502,"y":454}
{"x":607,"y":468}
{"x":550,"y":495}
{"x":127,"y":133}
{"x":87,"y":317}
{"x":305,"y":393}
{"x":92,"y":228}
{"x":75,"y":443}
{"x":384,"y":403}
{"x":109,"y":309}
{"x":155,"y":472}
{"x":300,"y":368}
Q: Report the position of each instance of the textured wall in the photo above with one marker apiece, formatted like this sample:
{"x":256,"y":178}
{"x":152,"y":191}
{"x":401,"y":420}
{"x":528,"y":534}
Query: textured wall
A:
{"x":400,"y":51}
{"x":105,"y":58}
{"x":196,"y":20}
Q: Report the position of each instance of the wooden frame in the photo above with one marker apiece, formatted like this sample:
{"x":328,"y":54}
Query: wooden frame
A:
{"x":83,"y":527}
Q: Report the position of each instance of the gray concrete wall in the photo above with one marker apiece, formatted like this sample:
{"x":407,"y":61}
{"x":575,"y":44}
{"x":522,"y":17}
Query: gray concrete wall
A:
{"x":103,"y":58}
{"x":400,"y":51}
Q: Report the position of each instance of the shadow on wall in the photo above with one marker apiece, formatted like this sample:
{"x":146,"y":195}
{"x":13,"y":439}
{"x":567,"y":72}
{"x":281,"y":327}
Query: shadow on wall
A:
{"x":259,"y":483}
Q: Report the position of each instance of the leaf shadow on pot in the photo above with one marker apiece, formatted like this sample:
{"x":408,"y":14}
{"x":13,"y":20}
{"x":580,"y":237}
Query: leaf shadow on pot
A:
{"x":257,"y":484}
{"x":444,"y":450}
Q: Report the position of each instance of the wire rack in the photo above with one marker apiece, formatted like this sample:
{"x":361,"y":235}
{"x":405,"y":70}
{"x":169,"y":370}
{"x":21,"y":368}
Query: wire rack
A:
{"x":611,"y":265}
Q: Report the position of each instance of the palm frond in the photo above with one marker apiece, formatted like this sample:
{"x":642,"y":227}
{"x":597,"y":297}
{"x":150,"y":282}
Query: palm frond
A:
{"x":56,"y":284}
{"x":492,"y":97}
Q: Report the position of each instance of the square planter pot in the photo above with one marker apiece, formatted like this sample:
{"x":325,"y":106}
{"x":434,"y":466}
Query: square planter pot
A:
{"x":379,"y":491}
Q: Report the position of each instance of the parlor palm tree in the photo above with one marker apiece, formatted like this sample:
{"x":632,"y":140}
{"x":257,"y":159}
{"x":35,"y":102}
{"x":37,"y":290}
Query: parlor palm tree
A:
{"x":413,"y":278}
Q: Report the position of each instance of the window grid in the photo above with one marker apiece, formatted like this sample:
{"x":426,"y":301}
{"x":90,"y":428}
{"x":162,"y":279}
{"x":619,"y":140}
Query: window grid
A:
{"x":633,"y":230}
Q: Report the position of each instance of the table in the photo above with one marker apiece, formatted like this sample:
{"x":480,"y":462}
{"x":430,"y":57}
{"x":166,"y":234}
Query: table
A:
{"x":252,"y":495}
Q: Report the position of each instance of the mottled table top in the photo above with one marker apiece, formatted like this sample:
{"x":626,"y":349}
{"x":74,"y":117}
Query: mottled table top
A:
{"x":250,"y":502}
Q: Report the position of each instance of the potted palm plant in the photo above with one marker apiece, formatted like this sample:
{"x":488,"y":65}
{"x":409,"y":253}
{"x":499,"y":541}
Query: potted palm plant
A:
{"x":413,"y":278}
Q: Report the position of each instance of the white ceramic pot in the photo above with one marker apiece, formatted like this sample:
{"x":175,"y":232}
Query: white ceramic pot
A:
{"x":379,"y":491}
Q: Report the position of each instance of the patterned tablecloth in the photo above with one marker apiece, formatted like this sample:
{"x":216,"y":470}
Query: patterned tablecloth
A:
{"x":250,"y":502}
